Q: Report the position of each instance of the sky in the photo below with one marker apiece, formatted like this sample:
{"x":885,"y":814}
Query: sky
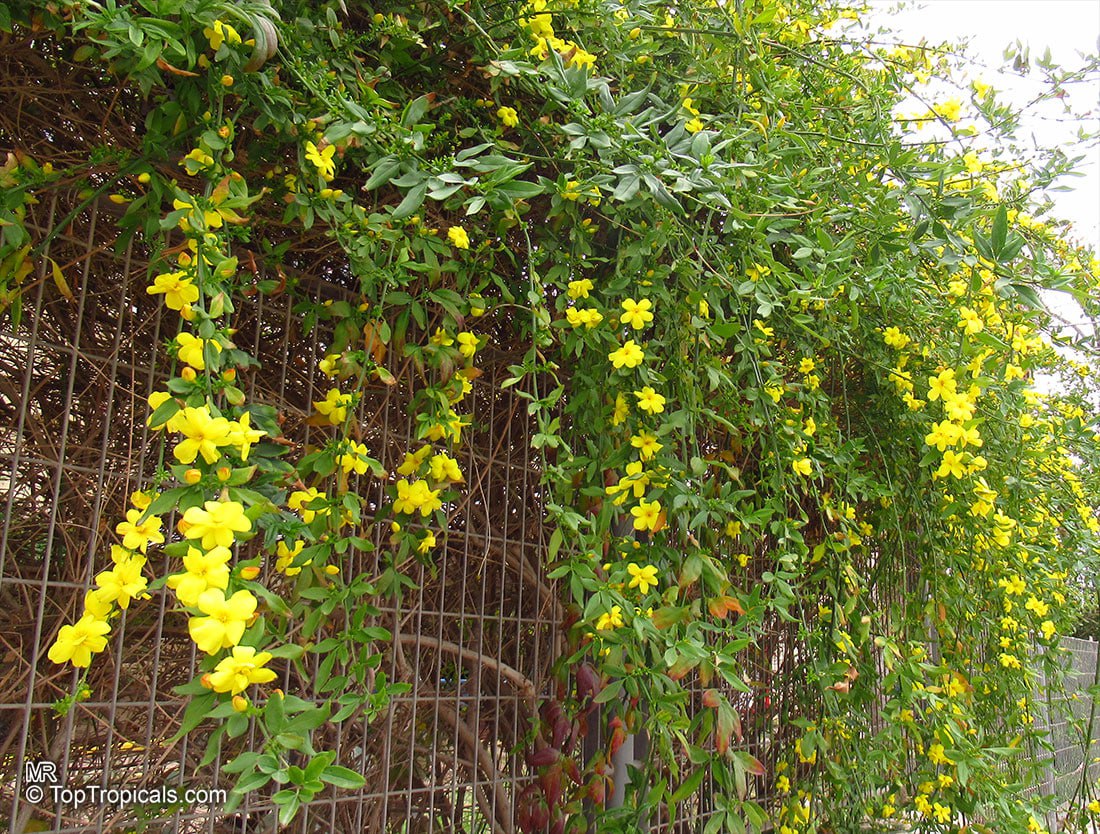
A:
{"x":1067,"y":28}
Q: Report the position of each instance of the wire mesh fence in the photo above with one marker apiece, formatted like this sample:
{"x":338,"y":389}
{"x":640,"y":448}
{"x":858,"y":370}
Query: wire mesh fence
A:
{"x":474,"y":642}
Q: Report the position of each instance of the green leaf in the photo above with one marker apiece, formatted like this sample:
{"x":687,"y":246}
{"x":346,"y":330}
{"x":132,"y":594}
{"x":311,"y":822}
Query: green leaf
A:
{"x":1000,"y":231}
{"x":413,"y":200}
{"x":689,"y":786}
{"x":342,"y":777}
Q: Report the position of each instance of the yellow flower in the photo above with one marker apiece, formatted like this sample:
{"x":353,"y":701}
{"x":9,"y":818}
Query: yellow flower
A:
{"x":949,"y":110}
{"x":937,"y":756}
{"x":215,"y":525}
{"x":803,"y":467}
{"x":630,"y":355}
{"x":426,"y":543}
{"x":457,"y":235}
{"x":637,"y":313}
{"x":694,"y":125}
{"x":943,"y":434}
{"x":621,"y":410}
{"x":467,"y":344}
{"x":586,"y":317}
{"x":1010,"y":661}
{"x":1048,"y":629}
{"x":895,"y":338}
{"x":242,"y":435}
{"x":952,"y":464}
{"x":508,"y":116}
{"x":611,"y":619}
{"x":811,"y":426}
{"x":970,"y":321}
{"x":300,"y":500}
{"x":581,"y":58}
{"x":941,"y":812}
{"x":334,"y":406}
{"x":221,"y":33}
{"x":328,"y":365}
{"x":646,"y":444}
{"x":285,"y":556}
{"x":642,"y":578}
{"x":413,"y":460}
{"x":646,"y":515}
{"x":176,"y":288}
{"x":354,"y":459}
{"x":941,"y":385}
{"x":579,"y":289}
{"x":1014,"y":585}
{"x":192,"y":350}
{"x":203,"y":433}
{"x":77,"y":643}
{"x":225,"y":620}
{"x":234,"y":674}
{"x":202,"y":571}
{"x":442,"y":337}
{"x":137,"y":534}
{"x":806,"y":365}
{"x":416,"y":496}
{"x":650,"y":401}
{"x":155,"y":401}
{"x":123,"y":583}
{"x":442,"y":468}
{"x":322,"y":160}
{"x":1037,"y":606}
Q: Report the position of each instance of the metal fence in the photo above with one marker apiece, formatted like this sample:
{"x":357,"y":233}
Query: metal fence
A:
{"x":474,"y":641}
{"x":1071,"y":716}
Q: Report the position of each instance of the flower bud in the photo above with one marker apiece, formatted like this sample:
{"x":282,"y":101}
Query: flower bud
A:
{"x":192,"y":476}
{"x":240,"y":703}
{"x":205,"y":681}
{"x":395,"y":527}
{"x":227,"y":80}
{"x":332,"y":570}
{"x":144,"y":178}
{"x":224,"y":473}
{"x":188,"y":374}
{"x":250,"y":572}
{"x":229,"y":374}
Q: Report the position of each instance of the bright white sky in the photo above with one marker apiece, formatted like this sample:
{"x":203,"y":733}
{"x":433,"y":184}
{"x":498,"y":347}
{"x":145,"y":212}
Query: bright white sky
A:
{"x":1067,"y":28}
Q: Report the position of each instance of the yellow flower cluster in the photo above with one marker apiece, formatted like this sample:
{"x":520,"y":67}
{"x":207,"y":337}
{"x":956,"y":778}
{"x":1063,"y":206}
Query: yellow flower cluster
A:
{"x":539,"y":23}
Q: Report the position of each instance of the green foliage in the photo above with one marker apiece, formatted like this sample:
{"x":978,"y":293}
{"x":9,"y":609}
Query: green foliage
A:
{"x":788,"y":357}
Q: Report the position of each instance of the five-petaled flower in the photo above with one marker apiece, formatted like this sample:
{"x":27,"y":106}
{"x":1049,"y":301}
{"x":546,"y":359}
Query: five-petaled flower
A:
{"x":202,"y":571}
{"x":334,"y":406}
{"x":245,"y":666}
{"x":203,"y":434}
{"x":642,"y":578}
{"x":647,"y":515}
{"x":176,"y":287}
{"x":138,"y":534}
{"x":508,"y":116}
{"x":637,"y":313}
{"x":215,"y":523}
{"x":225,"y":620}
{"x":630,"y":355}
{"x":322,"y":160}
{"x":77,"y":643}
{"x":650,"y":401}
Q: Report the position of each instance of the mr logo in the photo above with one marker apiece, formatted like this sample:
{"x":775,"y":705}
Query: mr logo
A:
{"x":35,"y":776}
{"x":44,"y":771}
